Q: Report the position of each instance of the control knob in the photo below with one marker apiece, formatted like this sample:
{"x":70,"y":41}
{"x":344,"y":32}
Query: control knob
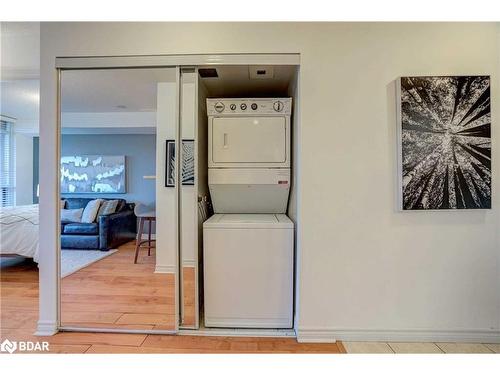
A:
{"x":219,"y":107}
{"x":233,"y":107}
{"x":243,"y":106}
{"x":254,"y":106}
{"x":278,"y":106}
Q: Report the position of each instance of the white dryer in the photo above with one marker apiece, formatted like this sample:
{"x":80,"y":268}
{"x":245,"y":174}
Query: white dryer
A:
{"x":249,"y":154}
{"x":248,"y":271}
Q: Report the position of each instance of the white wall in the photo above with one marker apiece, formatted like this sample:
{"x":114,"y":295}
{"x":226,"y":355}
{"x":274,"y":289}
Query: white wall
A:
{"x":189,"y":193}
{"x":24,"y":169}
{"x":20,"y":50}
{"x":166,"y":209}
{"x":366,"y":270}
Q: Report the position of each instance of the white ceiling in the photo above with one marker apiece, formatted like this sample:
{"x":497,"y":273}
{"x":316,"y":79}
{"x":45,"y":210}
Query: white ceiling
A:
{"x":105,"y":90}
{"x":19,"y":73}
{"x":20,"y":50}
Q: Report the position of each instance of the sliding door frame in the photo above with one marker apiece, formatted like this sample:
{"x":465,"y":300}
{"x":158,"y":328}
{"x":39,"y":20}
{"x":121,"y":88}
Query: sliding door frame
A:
{"x":49,"y":322}
{"x":176,"y":214}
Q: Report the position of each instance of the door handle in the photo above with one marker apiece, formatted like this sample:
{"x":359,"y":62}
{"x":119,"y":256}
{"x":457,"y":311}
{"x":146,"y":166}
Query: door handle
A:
{"x":225,"y":140}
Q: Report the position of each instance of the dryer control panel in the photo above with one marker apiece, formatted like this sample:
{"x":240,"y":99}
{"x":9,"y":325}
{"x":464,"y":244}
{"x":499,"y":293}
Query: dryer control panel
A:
{"x":249,"y":107}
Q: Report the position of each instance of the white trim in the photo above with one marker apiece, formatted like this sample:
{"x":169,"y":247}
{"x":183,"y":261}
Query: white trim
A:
{"x":178,"y":270}
{"x":189,"y":263}
{"x":243,"y":323}
{"x":46,"y":328}
{"x":118,"y":330}
{"x":166,"y":268}
{"x":145,"y":236}
{"x":235,"y":332}
{"x":150,"y":61}
{"x":393,"y":335}
{"x":49,"y":231}
{"x":209,"y":332}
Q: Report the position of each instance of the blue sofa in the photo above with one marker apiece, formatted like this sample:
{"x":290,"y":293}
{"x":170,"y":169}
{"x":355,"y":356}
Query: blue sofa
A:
{"x":107,"y":232}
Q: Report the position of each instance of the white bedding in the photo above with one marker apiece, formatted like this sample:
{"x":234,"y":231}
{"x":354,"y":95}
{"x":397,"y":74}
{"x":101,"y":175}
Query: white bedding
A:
{"x":19,"y":231}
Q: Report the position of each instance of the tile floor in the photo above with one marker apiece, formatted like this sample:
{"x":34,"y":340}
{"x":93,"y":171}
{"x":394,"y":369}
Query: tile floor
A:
{"x":418,"y":347}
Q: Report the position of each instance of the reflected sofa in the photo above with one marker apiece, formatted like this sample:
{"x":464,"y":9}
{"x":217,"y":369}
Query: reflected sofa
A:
{"x":105,"y":233}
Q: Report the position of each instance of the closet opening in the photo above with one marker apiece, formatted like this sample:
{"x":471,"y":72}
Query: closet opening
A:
{"x":223,"y":179}
{"x":238,"y":219}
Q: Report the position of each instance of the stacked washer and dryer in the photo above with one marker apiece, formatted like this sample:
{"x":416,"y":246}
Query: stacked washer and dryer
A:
{"x":248,"y":242}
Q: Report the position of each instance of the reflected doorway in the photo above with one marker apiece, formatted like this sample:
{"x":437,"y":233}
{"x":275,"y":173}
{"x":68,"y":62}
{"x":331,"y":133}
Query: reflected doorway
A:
{"x":113,"y":125}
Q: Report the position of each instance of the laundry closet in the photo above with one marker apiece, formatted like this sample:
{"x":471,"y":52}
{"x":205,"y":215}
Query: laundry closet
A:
{"x":237,"y":215}
{"x":225,"y":184}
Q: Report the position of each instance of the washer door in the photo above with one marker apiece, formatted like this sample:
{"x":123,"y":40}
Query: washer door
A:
{"x":249,"y":140}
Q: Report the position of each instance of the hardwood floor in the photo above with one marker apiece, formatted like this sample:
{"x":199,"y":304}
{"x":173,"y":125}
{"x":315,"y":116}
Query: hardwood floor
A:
{"x":116,"y":293}
{"x":189,"y":290}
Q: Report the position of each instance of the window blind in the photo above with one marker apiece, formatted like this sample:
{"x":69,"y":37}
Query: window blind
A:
{"x":7,"y":164}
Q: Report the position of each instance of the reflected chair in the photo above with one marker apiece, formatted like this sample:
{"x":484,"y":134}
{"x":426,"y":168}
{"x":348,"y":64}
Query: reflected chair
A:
{"x":144,"y":213}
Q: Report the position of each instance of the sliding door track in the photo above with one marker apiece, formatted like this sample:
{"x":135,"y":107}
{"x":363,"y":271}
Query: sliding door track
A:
{"x":227,"y":332}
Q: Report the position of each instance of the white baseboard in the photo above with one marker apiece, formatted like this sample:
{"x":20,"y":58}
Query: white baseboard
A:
{"x":165,"y":269}
{"x":414,"y":335}
{"x":46,"y":328}
{"x":189,"y":263}
{"x":145,"y":236}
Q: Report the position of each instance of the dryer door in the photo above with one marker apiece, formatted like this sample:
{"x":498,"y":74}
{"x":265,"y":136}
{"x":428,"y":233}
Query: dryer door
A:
{"x":249,"y":140}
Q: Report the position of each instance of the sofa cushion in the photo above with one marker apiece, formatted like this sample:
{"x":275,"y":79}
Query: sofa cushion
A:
{"x":72,"y":203}
{"x":63,"y":224}
{"x":81,"y":228}
{"x":74,"y":215}
{"x":90,"y":211}
{"x":77,"y":241}
{"x":108,"y":207}
{"x":122,"y":205}
{"x":82,"y":203}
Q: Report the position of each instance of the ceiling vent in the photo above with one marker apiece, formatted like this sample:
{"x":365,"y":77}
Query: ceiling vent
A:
{"x":261,"y":72}
{"x":208,"y":73}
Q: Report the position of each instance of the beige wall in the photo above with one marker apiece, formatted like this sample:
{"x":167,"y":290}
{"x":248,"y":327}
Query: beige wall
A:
{"x":366,"y":270}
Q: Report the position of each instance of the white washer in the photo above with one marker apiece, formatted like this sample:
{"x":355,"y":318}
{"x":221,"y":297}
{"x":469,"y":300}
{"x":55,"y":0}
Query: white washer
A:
{"x":248,"y":271}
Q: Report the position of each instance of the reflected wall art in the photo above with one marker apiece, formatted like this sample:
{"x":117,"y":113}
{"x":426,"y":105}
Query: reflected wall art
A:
{"x":94,"y":174}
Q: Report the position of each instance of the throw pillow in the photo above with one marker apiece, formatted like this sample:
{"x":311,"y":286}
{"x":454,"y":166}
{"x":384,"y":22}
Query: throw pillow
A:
{"x":90,"y":211}
{"x":108,"y":207}
{"x":121,"y":205}
{"x":74,"y":216}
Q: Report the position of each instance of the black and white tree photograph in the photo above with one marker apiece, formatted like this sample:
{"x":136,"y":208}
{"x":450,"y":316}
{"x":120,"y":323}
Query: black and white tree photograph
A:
{"x":445,"y":142}
{"x":187,"y":163}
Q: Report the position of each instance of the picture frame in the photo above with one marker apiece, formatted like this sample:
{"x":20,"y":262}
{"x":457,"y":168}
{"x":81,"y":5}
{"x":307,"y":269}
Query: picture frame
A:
{"x":444,"y":142}
{"x":170,"y":163}
{"x":187,"y":163}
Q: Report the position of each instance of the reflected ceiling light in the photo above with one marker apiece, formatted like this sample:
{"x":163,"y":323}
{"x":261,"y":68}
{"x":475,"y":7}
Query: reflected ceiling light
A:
{"x":33,"y":96}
